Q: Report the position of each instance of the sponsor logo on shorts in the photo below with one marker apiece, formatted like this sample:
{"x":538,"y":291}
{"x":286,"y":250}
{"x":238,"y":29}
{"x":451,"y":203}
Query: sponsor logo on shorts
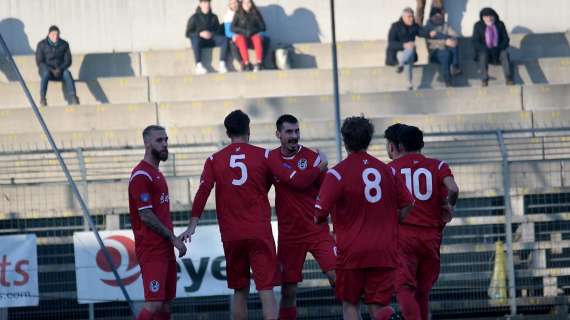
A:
{"x":302,"y":164}
{"x":154,"y":286}
{"x":145,"y":197}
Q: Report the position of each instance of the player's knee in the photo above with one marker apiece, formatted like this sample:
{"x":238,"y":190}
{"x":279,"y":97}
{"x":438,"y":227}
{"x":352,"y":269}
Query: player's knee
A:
{"x":154,"y":306}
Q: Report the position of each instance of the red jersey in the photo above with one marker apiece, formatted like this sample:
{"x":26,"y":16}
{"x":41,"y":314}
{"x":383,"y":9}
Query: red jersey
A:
{"x":295,"y":207}
{"x":424,"y":179}
{"x":242,"y":174}
{"x":148,"y":190}
{"x":364,"y":195}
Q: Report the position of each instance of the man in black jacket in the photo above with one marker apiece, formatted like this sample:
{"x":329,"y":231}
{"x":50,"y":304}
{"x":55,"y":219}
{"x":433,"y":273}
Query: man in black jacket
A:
{"x":491,"y":41}
{"x":204,"y":31}
{"x":401,"y":49}
{"x":53,"y":58}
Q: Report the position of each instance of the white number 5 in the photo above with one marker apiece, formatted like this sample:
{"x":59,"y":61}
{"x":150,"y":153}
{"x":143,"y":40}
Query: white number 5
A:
{"x":372,"y":185}
{"x":234,"y":163}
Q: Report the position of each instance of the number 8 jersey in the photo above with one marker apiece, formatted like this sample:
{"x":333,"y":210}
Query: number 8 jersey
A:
{"x":364,"y":195}
{"x":424,"y":179}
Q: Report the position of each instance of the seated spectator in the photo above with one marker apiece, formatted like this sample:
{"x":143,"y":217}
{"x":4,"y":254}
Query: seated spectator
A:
{"x":228,"y":19}
{"x":53,"y":58}
{"x":420,"y":9}
{"x":203,"y":30}
{"x":491,"y":41}
{"x":247,"y":27}
{"x":401,"y":49}
{"x":442,"y":44}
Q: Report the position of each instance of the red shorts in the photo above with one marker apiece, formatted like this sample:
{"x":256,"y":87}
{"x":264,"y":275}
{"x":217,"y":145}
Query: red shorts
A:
{"x":419,"y":257}
{"x":159,"y":280}
{"x":257,"y":254}
{"x":291,"y":256}
{"x":376,"y":284}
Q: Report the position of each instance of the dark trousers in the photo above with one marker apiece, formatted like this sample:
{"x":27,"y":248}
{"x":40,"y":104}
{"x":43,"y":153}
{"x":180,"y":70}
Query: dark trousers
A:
{"x":494,"y":56}
{"x":446,"y":58}
{"x":217,"y":41}
{"x":66,"y":77}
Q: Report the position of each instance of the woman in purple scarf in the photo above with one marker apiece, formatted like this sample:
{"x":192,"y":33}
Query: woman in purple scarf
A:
{"x":491,"y":41}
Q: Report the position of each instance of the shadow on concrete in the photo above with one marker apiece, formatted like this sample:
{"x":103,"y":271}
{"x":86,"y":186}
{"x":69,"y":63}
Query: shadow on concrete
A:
{"x":104,"y":65}
{"x":13,"y":32}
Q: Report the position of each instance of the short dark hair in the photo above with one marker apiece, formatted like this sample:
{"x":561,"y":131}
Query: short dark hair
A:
{"x":237,"y":123}
{"x":412,"y":138}
{"x":53,"y":28}
{"x":285,"y":118}
{"x":392,"y":133}
{"x":357,"y":133}
{"x":147,"y":131}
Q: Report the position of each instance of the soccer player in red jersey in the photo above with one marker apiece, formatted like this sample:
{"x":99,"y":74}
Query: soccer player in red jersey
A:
{"x":297,"y":232}
{"x":435,"y":192}
{"x":242,"y":175}
{"x":149,"y":207}
{"x":367,"y":200}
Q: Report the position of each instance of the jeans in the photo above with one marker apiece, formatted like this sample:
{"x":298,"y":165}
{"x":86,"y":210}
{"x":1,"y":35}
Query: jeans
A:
{"x":406,"y":59}
{"x":66,"y":77}
{"x":217,"y":41}
{"x":446,"y":58}
{"x":494,"y":56}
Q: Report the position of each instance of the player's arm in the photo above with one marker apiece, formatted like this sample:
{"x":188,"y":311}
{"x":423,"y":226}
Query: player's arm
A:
{"x":405,"y":199}
{"x":207,"y":182}
{"x":139,"y":189}
{"x":329,"y":194}
{"x":296,"y":179}
{"x":452,"y":190}
{"x":448,"y":181}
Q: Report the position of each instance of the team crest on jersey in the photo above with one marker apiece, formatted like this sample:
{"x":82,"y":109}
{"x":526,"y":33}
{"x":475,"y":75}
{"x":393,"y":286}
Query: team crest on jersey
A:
{"x":145,"y":197}
{"x":302,"y":164}
{"x":365,"y":161}
{"x":154,"y":286}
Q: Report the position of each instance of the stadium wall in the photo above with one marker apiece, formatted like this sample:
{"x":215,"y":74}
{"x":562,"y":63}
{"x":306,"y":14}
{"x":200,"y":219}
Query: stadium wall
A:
{"x":139,"y":25}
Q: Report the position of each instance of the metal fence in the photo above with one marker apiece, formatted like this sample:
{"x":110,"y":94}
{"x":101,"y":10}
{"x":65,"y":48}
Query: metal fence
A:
{"x":485,"y":270}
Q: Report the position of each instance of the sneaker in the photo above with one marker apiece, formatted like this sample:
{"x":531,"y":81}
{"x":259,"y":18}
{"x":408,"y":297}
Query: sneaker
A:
{"x":410,"y":88}
{"x":43,"y":102}
{"x":399,"y":69}
{"x":74,"y":101}
{"x":455,"y":71}
{"x":223,"y":68}
{"x":485,"y":83}
{"x":257,"y":67}
{"x":200,"y":70}
{"x":448,"y":84}
{"x":246,"y":67}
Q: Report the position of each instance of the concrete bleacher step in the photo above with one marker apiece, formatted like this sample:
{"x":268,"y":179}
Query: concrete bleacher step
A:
{"x":104,"y":90}
{"x":278,"y":84}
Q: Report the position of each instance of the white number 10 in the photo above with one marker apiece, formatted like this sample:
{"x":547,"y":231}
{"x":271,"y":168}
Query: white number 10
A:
{"x":234,"y":163}
{"x":413,"y":182}
{"x":373,"y":184}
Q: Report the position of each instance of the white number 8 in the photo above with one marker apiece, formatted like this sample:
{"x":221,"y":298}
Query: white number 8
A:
{"x":372,"y":185}
{"x":235,"y":164}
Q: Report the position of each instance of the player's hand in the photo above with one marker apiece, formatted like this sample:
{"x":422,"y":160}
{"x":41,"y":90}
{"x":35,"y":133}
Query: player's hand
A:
{"x":187,"y":234}
{"x":447,"y":212}
{"x":179,"y":244}
{"x":324,"y":164}
{"x":205,"y":34}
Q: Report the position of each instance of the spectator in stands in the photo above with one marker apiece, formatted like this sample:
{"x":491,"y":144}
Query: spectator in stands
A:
{"x":442,"y":44}
{"x":53,"y":58}
{"x":420,"y":9}
{"x":401,"y":49}
{"x":228,"y":19}
{"x":248,"y":25}
{"x":491,"y":41}
{"x":204,"y":31}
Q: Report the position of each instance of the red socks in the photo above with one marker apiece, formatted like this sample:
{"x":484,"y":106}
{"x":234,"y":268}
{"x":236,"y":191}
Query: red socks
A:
{"x":384,"y":313}
{"x":145,"y":315}
{"x":288,"y":313}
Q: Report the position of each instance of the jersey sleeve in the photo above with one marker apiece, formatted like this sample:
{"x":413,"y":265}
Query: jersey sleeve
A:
{"x":328,"y":195}
{"x":207,"y":182}
{"x":289,"y":176}
{"x":443,"y":171}
{"x":139,"y":190}
{"x":404,"y":196}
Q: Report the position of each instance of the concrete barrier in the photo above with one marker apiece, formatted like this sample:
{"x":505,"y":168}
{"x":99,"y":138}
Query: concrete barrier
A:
{"x":551,"y":118}
{"x":546,"y":97}
{"x":105,"y":90}
{"x":84,"y":67}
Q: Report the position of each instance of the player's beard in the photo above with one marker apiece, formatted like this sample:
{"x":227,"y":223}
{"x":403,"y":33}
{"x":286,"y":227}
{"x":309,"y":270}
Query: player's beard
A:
{"x":160,"y":155}
{"x":293,"y":145}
